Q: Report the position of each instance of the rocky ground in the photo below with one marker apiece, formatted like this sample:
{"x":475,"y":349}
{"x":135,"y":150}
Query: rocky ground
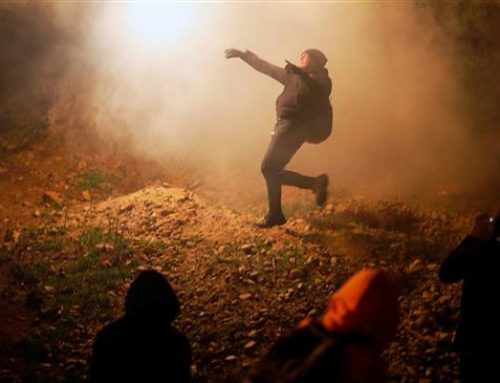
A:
{"x":74,"y":238}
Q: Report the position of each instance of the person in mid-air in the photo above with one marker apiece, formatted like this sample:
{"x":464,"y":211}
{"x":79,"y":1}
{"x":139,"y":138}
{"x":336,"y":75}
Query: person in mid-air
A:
{"x":304,"y":114}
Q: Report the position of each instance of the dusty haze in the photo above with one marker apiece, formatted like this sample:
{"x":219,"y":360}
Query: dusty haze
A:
{"x":400,"y":125}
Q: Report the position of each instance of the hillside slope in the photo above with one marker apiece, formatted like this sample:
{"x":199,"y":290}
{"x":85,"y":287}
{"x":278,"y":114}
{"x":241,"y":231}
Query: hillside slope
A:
{"x":240,"y":286}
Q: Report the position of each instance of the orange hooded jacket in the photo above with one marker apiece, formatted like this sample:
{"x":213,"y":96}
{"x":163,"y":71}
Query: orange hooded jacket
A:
{"x":366,"y":303}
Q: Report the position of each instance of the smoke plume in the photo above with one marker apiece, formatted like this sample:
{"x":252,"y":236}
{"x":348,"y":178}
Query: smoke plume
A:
{"x":403,"y":116}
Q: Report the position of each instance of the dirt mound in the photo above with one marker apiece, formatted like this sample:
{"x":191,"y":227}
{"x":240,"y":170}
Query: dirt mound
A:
{"x":160,"y":211}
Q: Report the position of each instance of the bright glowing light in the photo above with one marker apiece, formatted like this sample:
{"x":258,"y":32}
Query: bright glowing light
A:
{"x":159,"y":22}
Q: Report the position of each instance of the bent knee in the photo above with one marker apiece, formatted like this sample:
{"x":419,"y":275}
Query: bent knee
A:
{"x":268,"y":169}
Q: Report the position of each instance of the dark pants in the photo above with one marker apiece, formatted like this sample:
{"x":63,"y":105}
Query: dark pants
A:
{"x":478,"y":368}
{"x":286,"y":140}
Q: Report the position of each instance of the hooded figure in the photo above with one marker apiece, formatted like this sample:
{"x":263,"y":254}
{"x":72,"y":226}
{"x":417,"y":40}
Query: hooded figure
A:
{"x":142,"y":346}
{"x":367,"y":304}
{"x":345,"y":344}
{"x":303,"y":114}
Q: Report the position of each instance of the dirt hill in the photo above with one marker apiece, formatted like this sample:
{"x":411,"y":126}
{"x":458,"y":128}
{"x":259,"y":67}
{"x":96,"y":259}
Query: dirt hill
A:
{"x":83,"y":233}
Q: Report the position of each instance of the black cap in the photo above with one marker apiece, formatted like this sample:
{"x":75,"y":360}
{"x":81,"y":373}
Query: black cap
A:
{"x":317,"y":57}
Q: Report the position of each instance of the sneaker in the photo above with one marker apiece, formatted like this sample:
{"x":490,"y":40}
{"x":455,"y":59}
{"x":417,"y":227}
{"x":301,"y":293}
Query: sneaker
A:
{"x":271,"y":220}
{"x":321,"y":189}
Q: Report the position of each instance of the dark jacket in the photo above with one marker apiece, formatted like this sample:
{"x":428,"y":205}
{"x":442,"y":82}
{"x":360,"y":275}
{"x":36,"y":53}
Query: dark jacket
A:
{"x":130,"y":351}
{"x":305,"y":96}
{"x":477,"y":264}
{"x":142,"y":346}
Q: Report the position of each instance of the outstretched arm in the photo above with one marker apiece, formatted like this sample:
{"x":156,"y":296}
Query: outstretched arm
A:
{"x":274,"y":71}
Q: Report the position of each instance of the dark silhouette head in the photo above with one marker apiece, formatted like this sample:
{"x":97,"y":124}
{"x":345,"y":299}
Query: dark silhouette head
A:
{"x":316,"y":57}
{"x":151,"y":298}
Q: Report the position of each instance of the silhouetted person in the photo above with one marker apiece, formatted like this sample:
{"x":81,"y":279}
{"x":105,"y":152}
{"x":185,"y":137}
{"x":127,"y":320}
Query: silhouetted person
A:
{"x":345,"y":344}
{"x":142,"y":346}
{"x":476,"y":262}
{"x":304,"y":114}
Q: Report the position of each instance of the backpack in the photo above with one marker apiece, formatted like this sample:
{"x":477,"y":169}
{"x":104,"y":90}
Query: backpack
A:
{"x":308,"y":355}
{"x":320,"y":127}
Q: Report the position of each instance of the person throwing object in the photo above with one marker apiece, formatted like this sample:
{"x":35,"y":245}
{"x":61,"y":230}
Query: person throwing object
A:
{"x":304,"y":114}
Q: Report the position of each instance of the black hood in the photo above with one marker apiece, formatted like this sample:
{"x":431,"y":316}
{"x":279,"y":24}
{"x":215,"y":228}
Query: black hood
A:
{"x":151,"y":298}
